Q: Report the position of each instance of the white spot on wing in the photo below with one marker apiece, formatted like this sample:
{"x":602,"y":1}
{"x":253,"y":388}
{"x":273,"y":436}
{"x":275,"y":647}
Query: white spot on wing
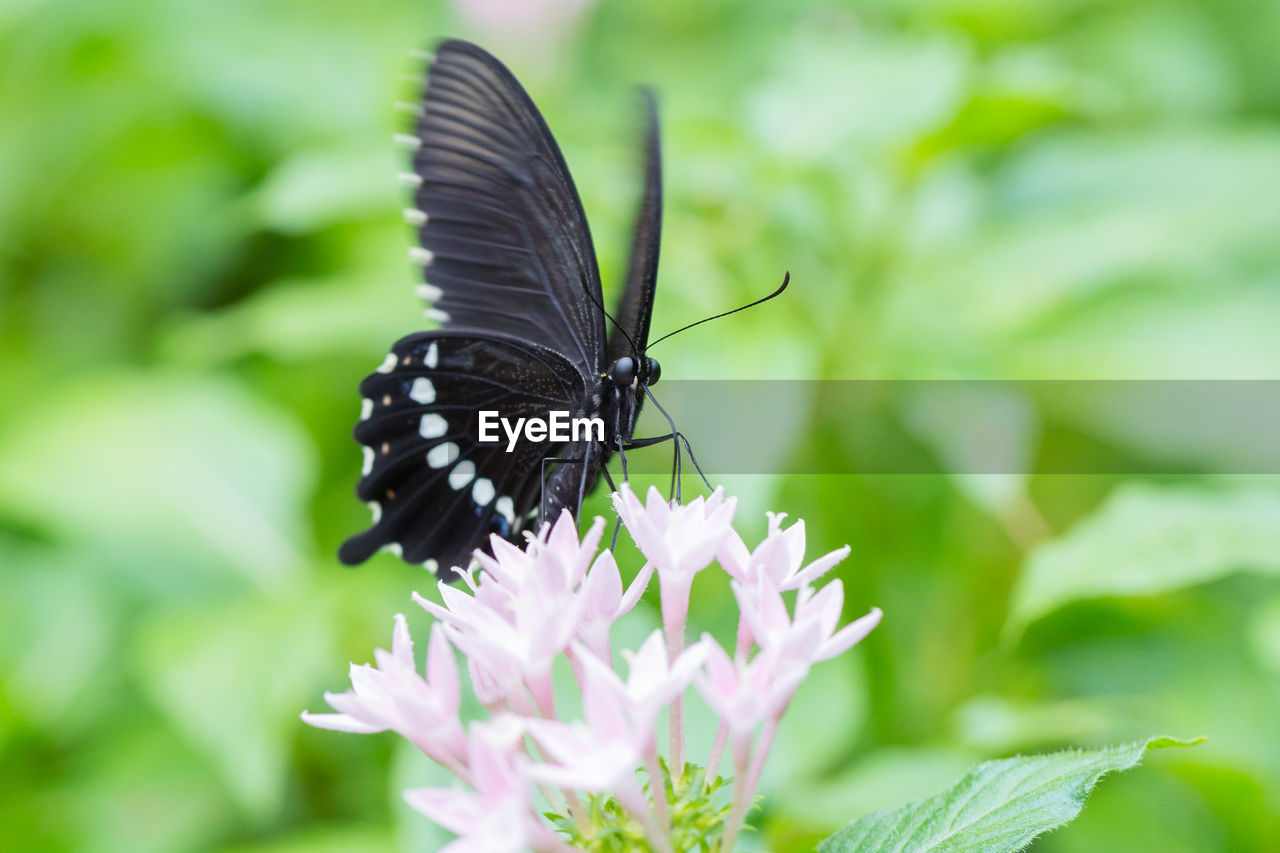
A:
{"x":433,"y":355}
{"x":406,"y":140}
{"x":376,"y":509}
{"x":433,"y":426}
{"x":482,"y":492}
{"x":506,"y":509}
{"x":366,"y":409}
{"x":428,"y":292}
{"x":423,"y":391}
{"x":462,"y":474}
{"x":395,"y":548}
{"x":437,"y":315}
{"x":409,"y":179}
{"x":415,"y":217}
{"x":442,"y":454}
{"x":387,"y":363}
{"x":368,"y":461}
{"x":421,"y":256}
{"x":432,"y":566}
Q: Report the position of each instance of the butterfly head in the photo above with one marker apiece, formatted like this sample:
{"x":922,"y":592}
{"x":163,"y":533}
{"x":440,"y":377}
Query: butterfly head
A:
{"x":626,"y":372}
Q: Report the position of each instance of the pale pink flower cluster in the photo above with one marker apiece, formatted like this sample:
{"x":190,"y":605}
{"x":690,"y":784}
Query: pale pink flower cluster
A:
{"x":521,"y":610}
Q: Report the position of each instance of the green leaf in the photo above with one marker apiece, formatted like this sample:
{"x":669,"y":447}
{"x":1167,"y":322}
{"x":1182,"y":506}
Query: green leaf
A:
{"x":999,"y":806}
{"x":318,"y":188}
{"x":1009,"y":291}
{"x":1147,"y":540}
{"x":837,"y":67}
{"x":58,"y":636}
{"x":231,"y":678}
{"x":160,"y":471}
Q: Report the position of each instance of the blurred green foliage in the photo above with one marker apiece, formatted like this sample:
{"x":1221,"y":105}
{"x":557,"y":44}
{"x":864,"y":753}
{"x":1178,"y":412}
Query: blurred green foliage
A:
{"x":201,"y":255}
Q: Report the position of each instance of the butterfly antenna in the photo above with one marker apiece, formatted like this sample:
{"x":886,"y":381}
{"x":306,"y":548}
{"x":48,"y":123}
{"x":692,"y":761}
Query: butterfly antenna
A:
{"x":616,"y":324}
{"x":785,"y":281}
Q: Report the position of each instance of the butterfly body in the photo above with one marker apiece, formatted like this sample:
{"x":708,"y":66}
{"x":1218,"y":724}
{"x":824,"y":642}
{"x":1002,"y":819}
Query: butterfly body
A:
{"x":511,"y":270}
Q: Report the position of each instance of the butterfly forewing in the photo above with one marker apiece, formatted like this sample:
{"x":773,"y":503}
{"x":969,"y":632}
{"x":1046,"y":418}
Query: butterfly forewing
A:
{"x":509,"y":247}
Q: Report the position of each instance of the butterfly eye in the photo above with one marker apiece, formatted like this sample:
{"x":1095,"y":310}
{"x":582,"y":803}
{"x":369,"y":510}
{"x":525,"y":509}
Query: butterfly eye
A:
{"x":654,"y":370}
{"x":624,"y":371}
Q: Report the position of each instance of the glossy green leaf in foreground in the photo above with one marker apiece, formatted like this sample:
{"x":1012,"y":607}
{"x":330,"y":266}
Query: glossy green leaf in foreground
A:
{"x":999,"y":807}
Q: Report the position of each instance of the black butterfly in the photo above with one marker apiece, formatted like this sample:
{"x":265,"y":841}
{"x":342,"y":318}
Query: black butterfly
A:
{"x":515,"y":286}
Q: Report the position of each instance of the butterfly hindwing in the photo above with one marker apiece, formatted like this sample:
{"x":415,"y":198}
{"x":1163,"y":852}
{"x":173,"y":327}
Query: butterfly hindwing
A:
{"x":635,"y":309}
{"x":437,"y":492}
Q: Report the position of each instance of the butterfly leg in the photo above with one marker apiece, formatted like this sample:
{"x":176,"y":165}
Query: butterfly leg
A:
{"x":622,"y":450}
{"x":622,"y":458}
{"x":679,"y":436}
{"x":678,"y":474}
{"x":647,"y":442}
{"x":689,"y":449}
{"x":582,"y":482}
{"x":617,"y":522}
{"x":608,"y":479}
{"x":542,"y":499}
{"x":675,"y":445}
{"x":650,"y":442}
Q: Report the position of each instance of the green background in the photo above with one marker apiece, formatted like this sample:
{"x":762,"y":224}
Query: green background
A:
{"x":201,"y":254}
